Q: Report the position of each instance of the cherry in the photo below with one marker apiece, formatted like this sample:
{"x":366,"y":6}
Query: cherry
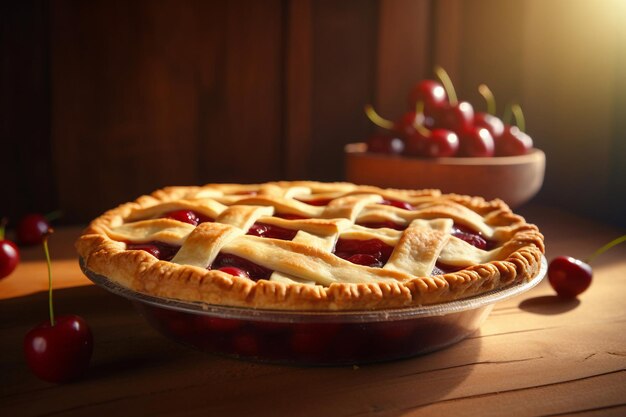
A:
{"x":431,"y":93}
{"x":439,"y":143}
{"x":434,"y":143}
{"x":317,"y":202}
{"x":365,"y":259}
{"x":469,"y":236}
{"x":9,"y":254}
{"x":61,"y":351}
{"x":255,"y":272}
{"x":493,"y":124}
{"x":31,"y":228}
{"x":396,"y":203}
{"x":271,"y":231}
{"x":312,"y":340}
{"x":187,"y":216}
{"x":513,"y":140}
{"x":406,"y":125}
{"x":371,"y":252}
{"x":385,"y":143}
{"x":160,"y":250}
{"x":456,"y":117}
{"x":232,"y":270}
{"x":58,"y":350}
{"x":570,"y":276}
{"x":476,"y":142}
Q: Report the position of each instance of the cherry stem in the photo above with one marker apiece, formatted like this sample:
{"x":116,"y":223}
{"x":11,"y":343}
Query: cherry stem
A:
{"x":519,"y":117}
{"x":507,"y":115}
{"x":419,"y":109}
{"x":47,"y":253}
{"x":3,"y":225}
{"x":606,"y":247}
{"x":489,"y":98}
{"x":447,"y":85}
{"x":377,"y":119}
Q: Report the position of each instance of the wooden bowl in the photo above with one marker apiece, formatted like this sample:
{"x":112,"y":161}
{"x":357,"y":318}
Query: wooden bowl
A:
{"x":514,"y":179}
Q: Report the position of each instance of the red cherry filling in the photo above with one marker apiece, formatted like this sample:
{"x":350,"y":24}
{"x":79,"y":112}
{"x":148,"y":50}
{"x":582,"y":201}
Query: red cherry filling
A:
{"x":470,"y":236}
{"x":159,"y":250}
{"x":400,"y":204}
{"x":317,"y":201}
{"x":271,"y":231}
{"x":226,"y":260}
{"x":238,"y":272}
{"x":371,"y":252}
{"x":187,"y":216}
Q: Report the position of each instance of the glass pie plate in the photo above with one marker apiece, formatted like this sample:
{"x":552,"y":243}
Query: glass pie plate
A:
{"x":314,"y":337}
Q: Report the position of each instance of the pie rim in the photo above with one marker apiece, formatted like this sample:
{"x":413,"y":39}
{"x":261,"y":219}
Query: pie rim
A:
{"x":140,"y":271}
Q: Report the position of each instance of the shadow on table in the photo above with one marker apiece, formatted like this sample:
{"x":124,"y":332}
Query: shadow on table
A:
{"x":135,"y":368}
{"x":549,"y":304}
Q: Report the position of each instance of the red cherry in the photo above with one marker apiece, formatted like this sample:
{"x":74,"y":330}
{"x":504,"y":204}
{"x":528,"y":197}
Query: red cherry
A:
{"x":456,"y":117}
{"x":396,"y":203}
{"x":362,"y":251}
{"x":469,"y":236}
{"x":185,"y":216}
{"x":9,"y":254}
{"x":159,"y":250}
{"x":476,"y":142}
{"x":31,"y":229}
{"x":313,"y":339}
{"x":237,"y":272}
{"x":9,"y":257}
{"x":59,"y":352}
{"x":407,"y":124}
{"x":493,"y":124}
{"x":364,"y":259}
{"x":569,"y":276}
{"x":513,"y":142}
{"x":415,"y":144}
{"x":487,"y":120}
{"x":431,"y":93}
{"x":254,"y":271}
{"x":272,"y":231}
{"x":385,"y":143}
{"x":218,"y":324}
{"x":440,"y":144}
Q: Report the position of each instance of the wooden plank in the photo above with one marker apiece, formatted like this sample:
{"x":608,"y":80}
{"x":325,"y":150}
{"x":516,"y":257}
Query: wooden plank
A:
{"x":344,"y":62}
{"x":26,"y":167}
{"x":299,"y":88}
{"x":175,"y":94}
{"x":403,"y":52}
{"x":535,"y":355}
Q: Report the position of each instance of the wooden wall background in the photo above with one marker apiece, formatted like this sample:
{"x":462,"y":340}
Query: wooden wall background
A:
{"x":102,"y":101}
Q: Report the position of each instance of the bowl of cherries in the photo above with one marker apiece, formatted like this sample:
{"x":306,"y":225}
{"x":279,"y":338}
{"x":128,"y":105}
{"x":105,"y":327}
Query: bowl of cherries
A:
{"x":441,"y":142}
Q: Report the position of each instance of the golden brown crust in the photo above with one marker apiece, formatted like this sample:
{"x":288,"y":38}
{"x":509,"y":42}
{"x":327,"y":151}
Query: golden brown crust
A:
{"x":518,"y":256}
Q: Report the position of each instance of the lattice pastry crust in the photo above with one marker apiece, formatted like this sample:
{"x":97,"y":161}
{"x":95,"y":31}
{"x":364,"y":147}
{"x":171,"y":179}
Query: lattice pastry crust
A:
{"x":304,"y":272}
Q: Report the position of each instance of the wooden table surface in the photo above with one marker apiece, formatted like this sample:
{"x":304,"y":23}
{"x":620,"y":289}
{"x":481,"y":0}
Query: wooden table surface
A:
{"x":535,"y":354}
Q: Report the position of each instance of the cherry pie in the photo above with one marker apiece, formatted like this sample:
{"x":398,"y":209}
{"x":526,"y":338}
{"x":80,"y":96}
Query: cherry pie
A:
{"x":311,"y":246}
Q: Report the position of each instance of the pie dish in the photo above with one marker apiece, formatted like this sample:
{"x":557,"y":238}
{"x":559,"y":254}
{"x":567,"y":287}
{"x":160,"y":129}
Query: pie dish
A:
{"x":307,"y":245}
